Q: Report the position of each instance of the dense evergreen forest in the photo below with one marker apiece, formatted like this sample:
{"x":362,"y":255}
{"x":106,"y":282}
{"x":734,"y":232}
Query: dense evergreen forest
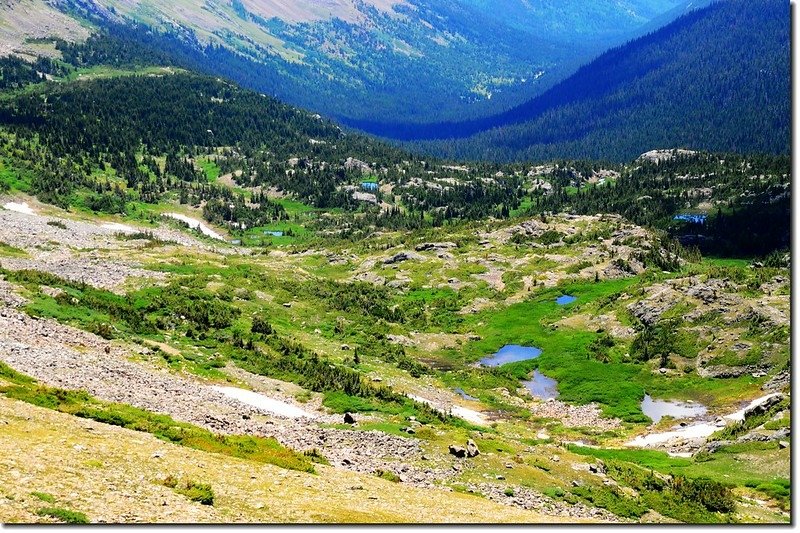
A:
{"x":716,"y":79}
{"x":752,"y":213}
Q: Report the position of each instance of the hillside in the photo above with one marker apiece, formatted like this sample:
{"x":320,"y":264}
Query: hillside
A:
{"x":357,"y":60}
{"x":716,"y":79}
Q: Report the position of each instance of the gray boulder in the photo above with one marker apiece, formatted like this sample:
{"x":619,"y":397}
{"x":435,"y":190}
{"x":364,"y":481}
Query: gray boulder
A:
{"x":472,"y":449}
{"x":458,"y":451}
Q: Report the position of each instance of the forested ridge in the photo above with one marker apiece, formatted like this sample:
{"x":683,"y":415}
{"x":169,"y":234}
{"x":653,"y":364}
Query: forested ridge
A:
{"x":716,"y":79}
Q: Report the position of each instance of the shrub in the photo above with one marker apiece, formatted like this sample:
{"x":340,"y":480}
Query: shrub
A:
{"x":550,"y":237}
{"x":261,"y":325}
{"x":554,"y":492}
{"x":612,"y":500}
{"x":65,"y":515}
{"x":388,"y":475}
{"x":713,"y":495}
{"x":316,"y":457}
{"x":197,"y":492}
{"x":44,"y":497}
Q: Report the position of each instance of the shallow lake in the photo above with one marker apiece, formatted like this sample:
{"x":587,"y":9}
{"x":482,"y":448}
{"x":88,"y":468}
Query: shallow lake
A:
{"x":463,"y":394}
{"x":541,"y":386}
{"x":658,"y":409}
{"x":565,"y":299}
{"x":695,"y":219}
{"x":274,"y":233}
{"x":511,"y":353}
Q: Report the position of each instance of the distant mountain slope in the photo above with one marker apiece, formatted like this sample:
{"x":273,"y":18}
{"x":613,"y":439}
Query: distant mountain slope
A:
{"x":23,"y":23}
{"x":398,"y":60}
{"x":717,"y":79}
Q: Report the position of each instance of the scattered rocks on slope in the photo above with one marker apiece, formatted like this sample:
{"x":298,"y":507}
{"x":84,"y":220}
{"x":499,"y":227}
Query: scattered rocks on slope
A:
{"x":778,"y":382}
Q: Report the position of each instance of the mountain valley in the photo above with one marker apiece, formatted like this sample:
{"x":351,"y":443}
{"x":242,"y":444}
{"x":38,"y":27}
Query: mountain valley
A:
{"x":216,"y":307}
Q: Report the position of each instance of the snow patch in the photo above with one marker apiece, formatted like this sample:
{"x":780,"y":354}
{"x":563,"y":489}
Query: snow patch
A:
{"x":259,"y":401}
{"x":22,"y":207}
{"x":694,"y":431}
{"x":738,"y":416}
{"x":115,"y":226}
{"x":196,"y":224}
{"x":470,"y":415}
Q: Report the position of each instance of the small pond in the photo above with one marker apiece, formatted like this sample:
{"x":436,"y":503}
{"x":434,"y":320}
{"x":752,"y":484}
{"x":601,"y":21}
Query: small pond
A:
{"x":511,"y":353}
{"x":236,"y":241}
{"x":541,"y":386}
{"x":695,"y":219}
{"x":658,"y":409}
{"x":273,"y":233}
{"x":565,"y":299}
{"x":463,"y":394}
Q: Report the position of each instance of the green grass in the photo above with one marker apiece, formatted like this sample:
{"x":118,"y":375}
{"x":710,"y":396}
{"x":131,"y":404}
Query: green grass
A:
{"x":779,"y":490}
{"x":564,"y":352}
{"x":6,"y":250}
{"x":781,"y":423}
{"x":14,"y":179}
{"x":294,"y":207}
{"x":339,"y":402}
{"x":44,"y":497}
{"x":617,"y":386}
{"x":210,"y":168}
{"x":655,"y":460}
{"x":725,"y":262}
{"x":64,"y":515}
{"x":732,"y":464}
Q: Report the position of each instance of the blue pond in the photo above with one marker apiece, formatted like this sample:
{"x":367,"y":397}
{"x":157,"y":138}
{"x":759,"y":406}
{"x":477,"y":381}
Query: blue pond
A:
{"x":369,"y":186}
{"x":460,"y":392}
{"x":565,"y":299}
{"x":657,"y":409}
{"x":695,"y":219}
{"x":541,"y":386}
{"x":274,"y":233}
{"x":511,"y":353}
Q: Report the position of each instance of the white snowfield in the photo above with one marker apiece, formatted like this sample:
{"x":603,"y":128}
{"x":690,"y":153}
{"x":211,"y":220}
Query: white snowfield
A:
{"x":469,"y":415}
{"x":195,"y":224}
{"x":22,"y":207}
{"x":694,"y":431}
{"x":259,"y":401}
{"x":116,"y":226}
